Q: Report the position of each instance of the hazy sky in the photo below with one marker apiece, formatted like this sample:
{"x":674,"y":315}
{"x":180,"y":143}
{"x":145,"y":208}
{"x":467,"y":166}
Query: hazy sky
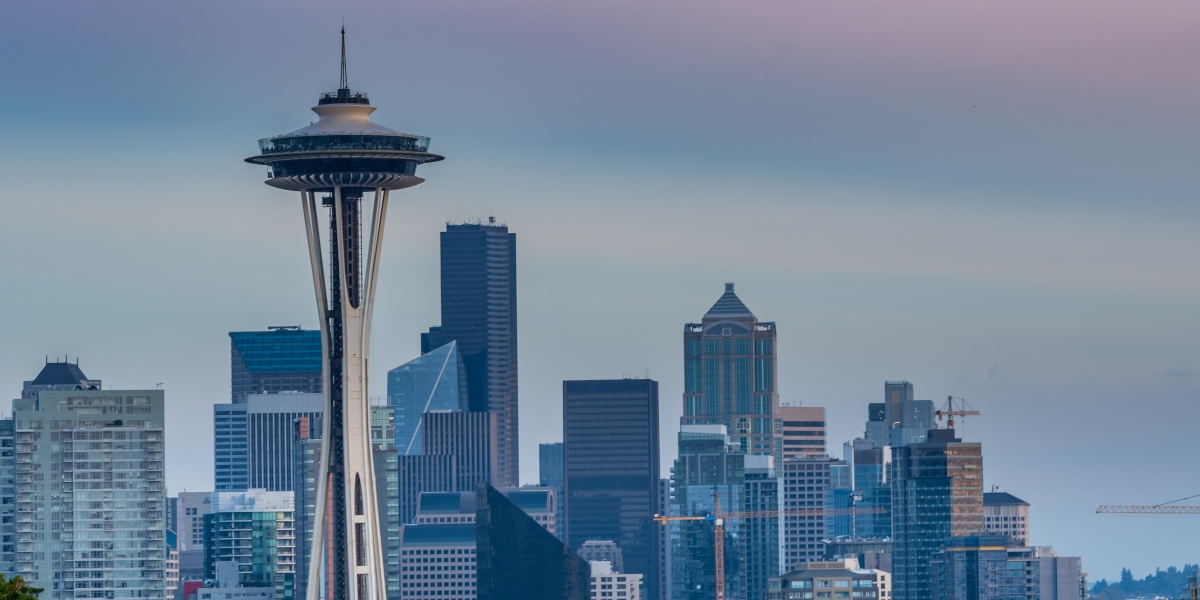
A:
{"x":992,"y":200}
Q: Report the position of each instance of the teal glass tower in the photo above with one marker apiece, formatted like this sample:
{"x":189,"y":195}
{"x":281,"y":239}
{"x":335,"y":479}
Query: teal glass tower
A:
{"x":347,"y":160}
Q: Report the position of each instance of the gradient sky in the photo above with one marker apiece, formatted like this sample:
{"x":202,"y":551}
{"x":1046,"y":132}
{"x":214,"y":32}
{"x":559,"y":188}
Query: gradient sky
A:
{"x":992,"y":200}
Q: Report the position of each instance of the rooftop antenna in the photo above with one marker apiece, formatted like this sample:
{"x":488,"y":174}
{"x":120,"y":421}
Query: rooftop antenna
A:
{"x":344,"y":83}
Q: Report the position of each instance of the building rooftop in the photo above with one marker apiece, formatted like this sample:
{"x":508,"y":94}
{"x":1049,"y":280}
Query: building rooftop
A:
{"x":1001,"y":498}
{"x":60,"y":373}
{"x":729,"y":306}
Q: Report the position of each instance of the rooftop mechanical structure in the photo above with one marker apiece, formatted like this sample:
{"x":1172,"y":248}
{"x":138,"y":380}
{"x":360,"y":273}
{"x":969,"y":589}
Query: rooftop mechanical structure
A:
{"x":345,"y":159}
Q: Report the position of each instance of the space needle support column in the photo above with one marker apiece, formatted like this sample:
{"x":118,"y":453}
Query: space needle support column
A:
{"x":312,"y":228}
{"x":374,"y":550}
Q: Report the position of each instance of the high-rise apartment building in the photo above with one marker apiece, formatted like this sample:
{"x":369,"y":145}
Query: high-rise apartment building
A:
{"x":90,"y":462}
{"x":611,"y":469}
{"x":610,"y":583}
{"x":803,"y":431}
{"x":8,"y":495}
{"x":479,"y":311}
{"x":664,"y":540}
{"x":730,"y":376}
{"x":252,"y":446}
{"x":281,"y":359}
{"x":550,"y":474}
{"x":1008,"y":515}
{"x":434,"y":381}
{"x":807,"y":483}
{"x":59,"y":375}
{"x":255,"y":529}
{"x":937,"y":493}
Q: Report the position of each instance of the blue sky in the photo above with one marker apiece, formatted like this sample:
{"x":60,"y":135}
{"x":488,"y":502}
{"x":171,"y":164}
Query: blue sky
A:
{"x":992,"y":201}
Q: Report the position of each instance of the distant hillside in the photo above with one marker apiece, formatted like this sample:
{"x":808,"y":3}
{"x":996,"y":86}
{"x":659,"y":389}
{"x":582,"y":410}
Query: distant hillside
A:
{"x":1167,"y":583}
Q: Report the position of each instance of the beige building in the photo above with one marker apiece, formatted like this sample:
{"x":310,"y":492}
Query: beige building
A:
{"x":1006,"y":514}
{"x":831,"y":580}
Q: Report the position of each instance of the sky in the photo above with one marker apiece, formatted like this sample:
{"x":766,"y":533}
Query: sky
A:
{"x":995,"y":201}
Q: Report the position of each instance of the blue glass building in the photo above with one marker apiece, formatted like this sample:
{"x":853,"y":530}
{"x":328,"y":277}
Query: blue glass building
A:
{"x":281,"y":359}
{"x":434,"y":381}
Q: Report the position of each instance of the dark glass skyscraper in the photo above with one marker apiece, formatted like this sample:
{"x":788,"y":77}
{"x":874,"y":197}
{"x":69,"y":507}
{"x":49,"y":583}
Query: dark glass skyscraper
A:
{"x":479,"y":311}
{"x":937,"y":493}
{"x":517,"y":559}
{"x":610,"y":468}
{"x":281,"y":359}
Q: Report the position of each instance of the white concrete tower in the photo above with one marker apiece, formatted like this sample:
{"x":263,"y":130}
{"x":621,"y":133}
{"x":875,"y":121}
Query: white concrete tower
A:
{"x":345,"y":158}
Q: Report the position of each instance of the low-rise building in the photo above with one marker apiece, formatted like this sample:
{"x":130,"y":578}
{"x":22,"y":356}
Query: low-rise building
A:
{"x":831,"y":580}
{"x":610,"y":584}
{"x":602,"y":550}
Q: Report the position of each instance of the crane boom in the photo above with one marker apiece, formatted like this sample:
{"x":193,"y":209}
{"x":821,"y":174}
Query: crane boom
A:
{"x":1112,"y":509}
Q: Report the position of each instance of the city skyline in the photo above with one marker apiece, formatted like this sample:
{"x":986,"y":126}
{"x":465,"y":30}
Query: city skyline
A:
{"x":990,"y":205}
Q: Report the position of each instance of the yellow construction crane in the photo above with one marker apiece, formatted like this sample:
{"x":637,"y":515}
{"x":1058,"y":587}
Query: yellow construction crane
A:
{"x":718,"y":518}
{"x":951,"y":410}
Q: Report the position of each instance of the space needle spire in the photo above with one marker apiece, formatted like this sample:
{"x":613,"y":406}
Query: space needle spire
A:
{"x":343,"y":82}
{"x":345,"y":161}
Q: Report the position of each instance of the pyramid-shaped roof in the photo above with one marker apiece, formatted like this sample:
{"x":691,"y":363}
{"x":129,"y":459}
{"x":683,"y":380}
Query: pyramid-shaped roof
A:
{"x":60,"y":373}
{"x":728,"y":306}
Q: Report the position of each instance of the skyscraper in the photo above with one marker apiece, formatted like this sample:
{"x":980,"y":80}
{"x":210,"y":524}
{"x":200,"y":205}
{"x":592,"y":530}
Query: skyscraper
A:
{"x":345,"y":159}
{"x":1008,"y":515}
{"x":253,"y":440}
{"x":730,"y":376}
{"x":550,"y":474}
{"x":709,"y":464}
{"x":937,"y":493}
{"x":763,"y":535}
{"x":434,"y":381}
{"x":79,"y":453}
{"x":479,"y":311}
{"x":280,"y":359}
{"x":8,"y":491}
{"x":611,"y":467}
{"x":906,"y":420}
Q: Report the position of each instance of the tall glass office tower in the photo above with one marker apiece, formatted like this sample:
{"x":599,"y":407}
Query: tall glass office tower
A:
{"x":479,"y":311}
{"x":730,"y":376}
{"x":610,"y":466}
{"x":937,"y":493}
{"x":431,"y":382}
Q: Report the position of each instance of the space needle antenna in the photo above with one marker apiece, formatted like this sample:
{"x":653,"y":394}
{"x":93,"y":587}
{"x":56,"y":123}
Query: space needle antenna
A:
{"x":344,"y":82}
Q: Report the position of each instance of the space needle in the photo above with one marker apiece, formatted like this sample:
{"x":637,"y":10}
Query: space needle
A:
{"x":343,"y":159}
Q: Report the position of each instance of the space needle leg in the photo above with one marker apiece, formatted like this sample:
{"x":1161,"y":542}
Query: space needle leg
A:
{"x":313,"y":231}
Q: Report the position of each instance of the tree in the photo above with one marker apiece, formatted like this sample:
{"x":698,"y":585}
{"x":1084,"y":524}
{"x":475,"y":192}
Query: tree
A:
{"x":15,"y":589}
